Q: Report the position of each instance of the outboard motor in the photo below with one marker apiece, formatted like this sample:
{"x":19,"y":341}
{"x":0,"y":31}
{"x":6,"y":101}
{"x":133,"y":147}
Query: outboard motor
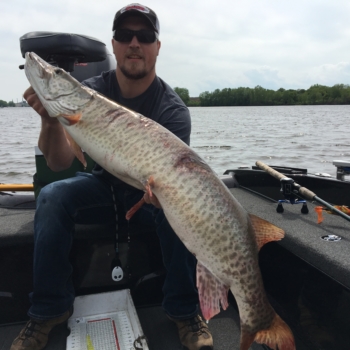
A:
{"x":81,"y":55}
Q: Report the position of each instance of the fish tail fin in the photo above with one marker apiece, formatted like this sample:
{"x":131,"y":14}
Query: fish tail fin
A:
{"x":278,"y":336}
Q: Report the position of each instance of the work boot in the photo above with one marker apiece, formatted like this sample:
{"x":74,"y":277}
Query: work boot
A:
{"x":35,"y":334}
{"x":194,"y":333}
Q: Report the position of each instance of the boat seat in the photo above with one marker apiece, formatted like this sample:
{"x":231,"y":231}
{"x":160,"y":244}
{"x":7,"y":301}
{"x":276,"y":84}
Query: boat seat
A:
{"x":44,"y":175}
{"x":64,"y":49}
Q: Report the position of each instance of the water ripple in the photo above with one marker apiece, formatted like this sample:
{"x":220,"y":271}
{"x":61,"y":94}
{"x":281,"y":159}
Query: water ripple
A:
{"x":308,"y":137}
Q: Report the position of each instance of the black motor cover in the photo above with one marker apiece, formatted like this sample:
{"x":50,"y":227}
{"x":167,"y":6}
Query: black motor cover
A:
{"x":73,"y":52}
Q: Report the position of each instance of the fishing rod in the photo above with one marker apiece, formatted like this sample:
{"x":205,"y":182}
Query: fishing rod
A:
{"x":303,"y":191}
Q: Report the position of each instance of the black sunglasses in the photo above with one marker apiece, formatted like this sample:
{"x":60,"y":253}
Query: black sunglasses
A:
{"x":145,"y":36}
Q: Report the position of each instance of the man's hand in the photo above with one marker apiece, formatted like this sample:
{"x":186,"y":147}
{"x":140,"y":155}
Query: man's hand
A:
{"x":33,"y":100}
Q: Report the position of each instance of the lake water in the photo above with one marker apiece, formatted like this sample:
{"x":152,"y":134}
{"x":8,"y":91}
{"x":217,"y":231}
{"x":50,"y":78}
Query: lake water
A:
{"x":308,"y":137}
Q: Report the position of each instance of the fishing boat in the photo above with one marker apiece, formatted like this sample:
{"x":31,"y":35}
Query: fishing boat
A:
{"x":306,"y":275}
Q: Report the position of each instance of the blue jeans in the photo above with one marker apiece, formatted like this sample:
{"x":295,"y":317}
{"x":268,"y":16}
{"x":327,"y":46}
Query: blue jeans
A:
{"x":87,"y":199}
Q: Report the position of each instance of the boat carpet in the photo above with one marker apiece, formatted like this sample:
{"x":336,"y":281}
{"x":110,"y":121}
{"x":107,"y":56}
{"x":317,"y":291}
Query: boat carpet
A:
{"x":303,"y":235}
{"x":16,"y":227}
{"x":160,"y":332}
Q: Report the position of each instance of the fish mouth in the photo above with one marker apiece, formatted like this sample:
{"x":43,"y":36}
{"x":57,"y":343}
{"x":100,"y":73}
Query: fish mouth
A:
{"x":32,"y":58}
{"x":37,"y":72}
{"x":37,"y":66}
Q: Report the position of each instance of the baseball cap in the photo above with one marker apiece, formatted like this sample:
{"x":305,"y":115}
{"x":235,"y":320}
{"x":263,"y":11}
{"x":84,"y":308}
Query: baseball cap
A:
{"x":138,"y":10}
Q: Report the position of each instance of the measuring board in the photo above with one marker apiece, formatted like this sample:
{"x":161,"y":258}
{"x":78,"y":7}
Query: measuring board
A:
{"x":106,"y":321}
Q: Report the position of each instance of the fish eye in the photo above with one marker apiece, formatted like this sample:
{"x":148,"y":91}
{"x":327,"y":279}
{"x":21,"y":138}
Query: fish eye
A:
{"x":58,"y":71}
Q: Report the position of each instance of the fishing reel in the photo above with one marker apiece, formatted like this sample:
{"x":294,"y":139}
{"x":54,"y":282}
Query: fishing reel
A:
{"x":289,"y":191}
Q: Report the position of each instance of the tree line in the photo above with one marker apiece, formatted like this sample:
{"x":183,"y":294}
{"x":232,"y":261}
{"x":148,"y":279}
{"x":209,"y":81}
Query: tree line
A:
{"x":316,"y":95}
{"x":7,"y":104}
{"x":259,"y":96}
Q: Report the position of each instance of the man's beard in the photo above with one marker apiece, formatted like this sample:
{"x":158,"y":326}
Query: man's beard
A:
{"x":133,"y":76}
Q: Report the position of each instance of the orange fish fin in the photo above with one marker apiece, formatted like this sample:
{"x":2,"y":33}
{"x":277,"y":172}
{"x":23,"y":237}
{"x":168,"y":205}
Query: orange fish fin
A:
{"x":278,"y":336}
{"x":134,"y":209}
{"x":72,"y":119}
{"x":76,"y":149}
{"x":149,"y":185}
{"x":265,"y":231}
{"x":211,"y":292}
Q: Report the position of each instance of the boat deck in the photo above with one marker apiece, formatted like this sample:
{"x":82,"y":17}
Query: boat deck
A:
{"x":303,"y":235}
{"x":161,"y":333}
{"x":303,"y":240}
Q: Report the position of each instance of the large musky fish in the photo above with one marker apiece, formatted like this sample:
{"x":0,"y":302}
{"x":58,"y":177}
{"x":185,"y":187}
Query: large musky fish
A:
{"x":224,"y":238}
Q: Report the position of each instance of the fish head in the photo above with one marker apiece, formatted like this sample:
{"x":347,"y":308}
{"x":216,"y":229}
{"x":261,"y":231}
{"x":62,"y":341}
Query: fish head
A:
{"x":57,"y":90}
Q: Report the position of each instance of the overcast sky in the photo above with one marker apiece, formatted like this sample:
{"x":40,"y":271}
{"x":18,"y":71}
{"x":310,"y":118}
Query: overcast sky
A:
{"x":206,"y":45}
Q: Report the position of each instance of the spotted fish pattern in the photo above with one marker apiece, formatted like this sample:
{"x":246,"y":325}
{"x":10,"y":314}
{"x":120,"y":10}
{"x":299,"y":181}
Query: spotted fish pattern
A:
{"x":204,"y":214}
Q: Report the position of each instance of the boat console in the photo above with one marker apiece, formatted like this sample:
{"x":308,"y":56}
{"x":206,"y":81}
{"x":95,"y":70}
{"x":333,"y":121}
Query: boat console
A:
{"x":343,"y":169}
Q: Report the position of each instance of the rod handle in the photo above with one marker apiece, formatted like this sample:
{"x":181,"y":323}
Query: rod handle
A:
{"x":277,"y":175}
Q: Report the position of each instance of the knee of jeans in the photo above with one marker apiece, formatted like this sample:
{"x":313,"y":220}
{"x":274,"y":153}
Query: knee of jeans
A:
{"x":51,"y":194}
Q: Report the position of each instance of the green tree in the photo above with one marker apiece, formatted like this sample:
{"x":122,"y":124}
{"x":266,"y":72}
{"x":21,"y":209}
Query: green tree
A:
{"x":183,"y":93}
{"x":11,"y":104}
{"x":259,"y":96}
{"x":3,"y":103}
{"x":204,"y":98}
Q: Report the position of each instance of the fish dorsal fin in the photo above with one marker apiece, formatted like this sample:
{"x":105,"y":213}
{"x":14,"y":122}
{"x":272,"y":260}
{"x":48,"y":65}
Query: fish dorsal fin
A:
{"x":211,"y":292}
{"x":265,"y":231}
{"x":75,"y":148}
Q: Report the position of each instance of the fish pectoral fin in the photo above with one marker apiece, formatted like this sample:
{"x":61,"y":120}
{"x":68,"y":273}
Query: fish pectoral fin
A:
{"x":265,"y":231}
{"x":76,"y":149}
{"x":71,"y":119}
{"x":149,"y":184}
{"x":130,"y":213}
{"x":148,"y":197}
{"x":211,"y":291}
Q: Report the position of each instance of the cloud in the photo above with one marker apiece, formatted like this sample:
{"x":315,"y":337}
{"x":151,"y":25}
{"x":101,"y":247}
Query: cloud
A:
{"x":266,"y":77}
{"x":205,"y":44}
{"x":330,"y":74}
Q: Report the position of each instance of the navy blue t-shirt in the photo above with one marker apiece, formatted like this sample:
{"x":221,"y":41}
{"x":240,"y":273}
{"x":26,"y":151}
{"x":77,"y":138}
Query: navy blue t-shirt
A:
{"x":159,"y":102}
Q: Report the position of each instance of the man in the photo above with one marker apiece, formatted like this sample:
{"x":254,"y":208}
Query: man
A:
{"x":88,"y":198}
